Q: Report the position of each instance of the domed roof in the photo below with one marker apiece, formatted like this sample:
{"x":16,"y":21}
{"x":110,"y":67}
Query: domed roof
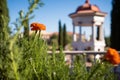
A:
{"x":87,"y":6}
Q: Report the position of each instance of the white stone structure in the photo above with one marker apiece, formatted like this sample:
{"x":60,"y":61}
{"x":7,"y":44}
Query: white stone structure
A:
{"x":88,"y":15}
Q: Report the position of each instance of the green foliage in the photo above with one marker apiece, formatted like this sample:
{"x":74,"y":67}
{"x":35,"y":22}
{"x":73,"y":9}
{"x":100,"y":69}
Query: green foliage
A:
{"x":69,"y":39}
{"x":60,"y":36}
{"x":98,"y":71}
{"x":30,"y":61}
{"x":64,"y":36}
{"x":4,"y":20}
{"x":53,"y":40}
{"x":107,"y":41}
{"x":23,"y":59}
{"x":115,"y":24}
{"x":4,"y":36}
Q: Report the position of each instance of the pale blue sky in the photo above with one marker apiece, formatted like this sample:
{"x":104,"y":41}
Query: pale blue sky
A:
{"x":55,"y":10}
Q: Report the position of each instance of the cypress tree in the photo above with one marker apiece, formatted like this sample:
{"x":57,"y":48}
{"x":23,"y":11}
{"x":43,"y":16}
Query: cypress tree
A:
{"x":60,"y":35}
{"x":115,"y":25}
{"x":64,"y":36}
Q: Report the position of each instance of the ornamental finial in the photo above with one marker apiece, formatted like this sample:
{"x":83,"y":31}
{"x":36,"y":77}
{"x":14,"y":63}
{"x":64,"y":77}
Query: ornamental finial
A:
{"x":87,"y":1}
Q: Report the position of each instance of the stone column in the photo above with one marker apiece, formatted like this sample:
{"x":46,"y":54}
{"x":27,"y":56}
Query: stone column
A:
{"x":93,"y":33}
{"x":93,"y":37}
{"x":101,"y":33}
{"x":80,"y":33}
{"x":74,"y":35}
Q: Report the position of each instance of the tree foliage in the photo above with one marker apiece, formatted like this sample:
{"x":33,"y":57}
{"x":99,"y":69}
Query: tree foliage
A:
{"x":54,"y":40}
{"x":107,"y":41}
{"x":64,"y":36}
{"x":4,"y":35}
{"x":60,"y":36}
{"x":115,"y":24}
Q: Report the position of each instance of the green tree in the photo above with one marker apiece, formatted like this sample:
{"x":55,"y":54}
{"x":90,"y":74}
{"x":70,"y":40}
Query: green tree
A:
{"x":64,"y":36}
{"x":4,"y":35}
{"x":60,"y":35}
{"x":115,"y":25}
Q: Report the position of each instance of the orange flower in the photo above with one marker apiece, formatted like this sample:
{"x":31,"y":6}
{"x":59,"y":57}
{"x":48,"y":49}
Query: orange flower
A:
{"x":112,"y":56}
{"x":37,"y":26}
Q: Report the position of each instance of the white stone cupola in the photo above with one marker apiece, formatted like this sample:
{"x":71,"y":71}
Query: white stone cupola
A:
{"x":88,"y":15}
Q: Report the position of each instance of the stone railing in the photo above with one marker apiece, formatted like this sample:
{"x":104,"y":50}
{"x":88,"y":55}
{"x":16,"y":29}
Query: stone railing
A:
{"x":70,"y":55}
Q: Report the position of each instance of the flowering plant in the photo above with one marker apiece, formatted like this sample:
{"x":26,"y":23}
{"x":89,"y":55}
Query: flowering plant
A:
{"x":112,"y":56}
{"x":37,"y":26}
